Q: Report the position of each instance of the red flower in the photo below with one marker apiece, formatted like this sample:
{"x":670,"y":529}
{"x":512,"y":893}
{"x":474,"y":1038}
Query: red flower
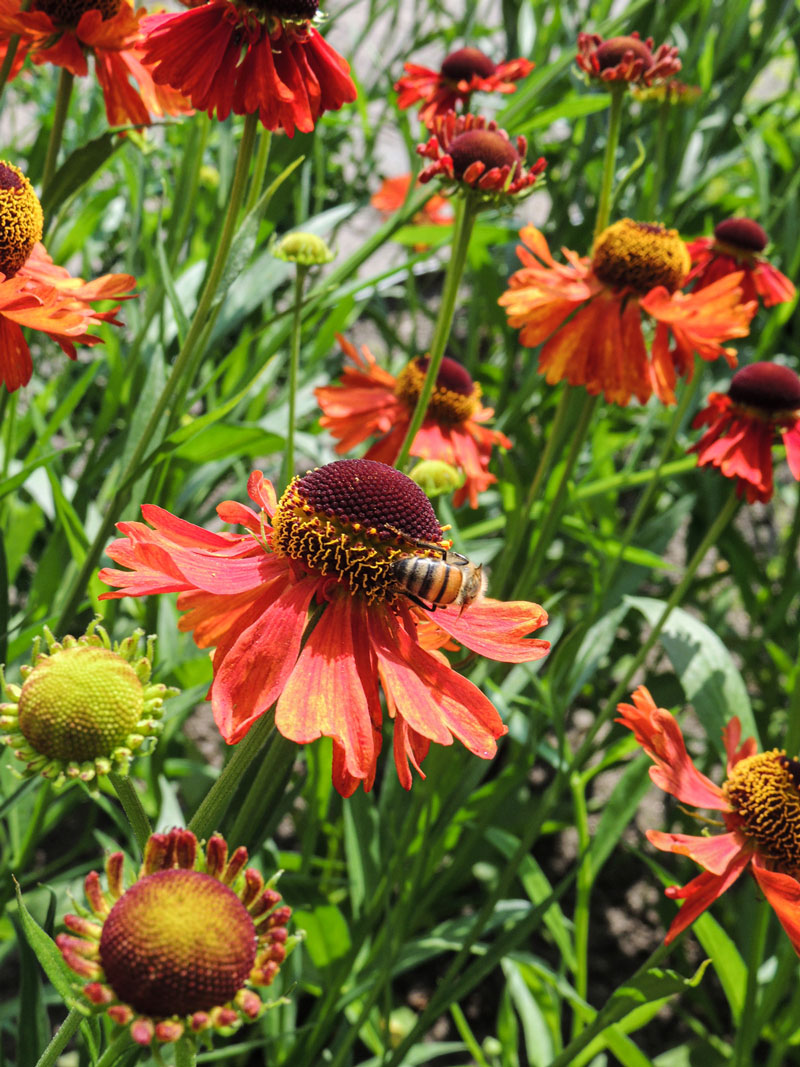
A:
{"x":64,"y":32}
{"x":34,"y":292}
{"x":627,"y":59}
{"x":735,"y":246}
{"x":392,"y":195}
{"x":763,"y":400}
{"x":330,"y":547}
{"x":470,"y":153}
{"x":250,"y":59}
{"x":370,"y":401}
{"x":760,"y":806}
{"x":463,"y":73}
{"x":590,"y":312}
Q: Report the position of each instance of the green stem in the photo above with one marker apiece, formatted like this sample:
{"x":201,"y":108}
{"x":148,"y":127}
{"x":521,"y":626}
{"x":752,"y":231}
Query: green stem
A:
{"x":132,"y":806}
{"x":294,"y":363}
{"x":749,"y":1024}
{"x":610,"y":707}
{"x":5,"y":69}
{"x":556,"y":505}
{"x":617,"y":93}
{"x":264,"y":793}
{"x":583,"y":890}
{"x":466,"y":213}
{"x":259,"y":170}
{"x":207,"y":817}
{"x":59,"y":1042}
{"x":659,"y":169}
{"x":63,"y":94}
{"x":185,"y":1052}
{"x":177,"y":383}
{"x":121,"y":1041}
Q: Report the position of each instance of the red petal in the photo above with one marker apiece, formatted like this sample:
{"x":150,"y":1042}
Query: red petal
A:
{"x":712,"y":853}
{"x":783,"y":893}
{"x":701,"y":892}
{"x":497,"y":629}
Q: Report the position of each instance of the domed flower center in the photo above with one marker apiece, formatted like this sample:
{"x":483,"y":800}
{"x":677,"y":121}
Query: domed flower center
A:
{"x":68,"y":12}
{"x":292,"y":10}
{"x":455,"y":397}
{"x":763,"y":790}
{"x":177,"y":942}
{"x":743,"y":235}
{"x":640,"y":256}
{"x":351,"y":519}
{"x":486,"y":146}
{"x":80,"y":703}
{"x":768,"y":387}
{"x":21,"y":219}
{"x":612,"y":52}
{"x":465,"y":63}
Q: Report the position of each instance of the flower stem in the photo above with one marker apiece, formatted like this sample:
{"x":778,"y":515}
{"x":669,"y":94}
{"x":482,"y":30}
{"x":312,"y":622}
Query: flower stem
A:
{"x":259,"y":170}
{"x":294,"y":362}
{"x":609,"y":708}
{"x":583,"y":889}
{"x":178,"y":381}
{"x":659,"y":168}
{"x":749,"y":1023}
{"x":466,"y":213}
{"x":63,"y":94}
{"x":614,"y":123}
{"x":59,"y":1041}
{"x":132,"y":806}
{"x":120,"y":1043}
{"x":207,"y":817}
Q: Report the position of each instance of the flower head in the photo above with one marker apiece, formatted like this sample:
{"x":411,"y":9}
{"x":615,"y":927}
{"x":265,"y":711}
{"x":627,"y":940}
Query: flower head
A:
{"x":305,"y":249}
{"x":84,"y":707}
{"x":331,"y":547}
{"x":65,"y":32}
{"x":369,"y":401}
{"x":36,"y":293}
{"x":182,"y":948}
{"x":471,"y":154}
{"x":254,"y":57}
{"x":762,"y":403}
{"x":760,"y":807}
{"x":737,"y":245}
{"x":628,"y":59}
{"x":591,"y":312}
{"x":463,"y":72}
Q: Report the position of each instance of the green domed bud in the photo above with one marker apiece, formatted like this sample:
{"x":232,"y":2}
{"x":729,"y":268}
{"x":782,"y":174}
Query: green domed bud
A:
{"x":305,"y":249}
{"x":436,"y":477}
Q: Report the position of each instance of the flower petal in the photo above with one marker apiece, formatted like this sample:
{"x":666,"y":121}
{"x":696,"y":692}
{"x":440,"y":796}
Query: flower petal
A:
{"x":712,"y":853}
{"x":495,"y":628}
{"x":703,"y":891}
{"x":783,"y":893}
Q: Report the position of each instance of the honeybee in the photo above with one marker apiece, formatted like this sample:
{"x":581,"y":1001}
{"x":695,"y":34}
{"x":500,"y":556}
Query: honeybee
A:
{"x":438,"y":582}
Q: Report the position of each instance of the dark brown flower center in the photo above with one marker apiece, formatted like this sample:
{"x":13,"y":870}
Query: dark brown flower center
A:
{"x":21,"y":219}
{"x":612,"y":52}
{"x":742,"y":233}
{"x":351,"y":519}
{"x":763,"y":791}
{"x":293,"y":10}
{"x":68,"y":12}
{"x":455,"y":397}
{"x":640,"y":256}
{"x":177,"y":942}
{"x":487,"y":146}
{"x":466,"y":62}
{"x":768,"y":386}
{"x":80,"y":704}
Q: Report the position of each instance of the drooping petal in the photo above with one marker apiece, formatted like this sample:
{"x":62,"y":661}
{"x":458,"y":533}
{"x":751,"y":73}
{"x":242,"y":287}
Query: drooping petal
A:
{"x":701,"y":892}
{"x":712,"y":853}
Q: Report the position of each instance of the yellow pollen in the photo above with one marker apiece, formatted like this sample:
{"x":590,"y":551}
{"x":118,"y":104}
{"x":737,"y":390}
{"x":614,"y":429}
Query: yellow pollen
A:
{"x":763,"y":791}
{"x":21,"y":219}
{"x":446,"y":406}
{"x":640,"y":256}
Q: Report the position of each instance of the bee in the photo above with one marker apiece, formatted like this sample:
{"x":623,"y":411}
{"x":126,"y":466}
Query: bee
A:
{"x":437,"y":582}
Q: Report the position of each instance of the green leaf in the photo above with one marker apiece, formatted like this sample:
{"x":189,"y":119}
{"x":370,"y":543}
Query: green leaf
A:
{"x":47,"y":953}
{"x":78,"y":169}
{"x":224,"y":441}
{"x":327,"y":934}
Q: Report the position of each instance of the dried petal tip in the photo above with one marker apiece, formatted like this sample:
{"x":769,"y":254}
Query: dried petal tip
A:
{"x":21,"y":219}
{"x":742,"y":233}
{"x":305,"y":249}
{"x":465,"y":63}
{"x":770,"y":387}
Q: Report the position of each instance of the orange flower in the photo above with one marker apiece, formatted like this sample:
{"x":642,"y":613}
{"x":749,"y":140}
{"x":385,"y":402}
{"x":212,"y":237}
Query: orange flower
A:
{"x":464,"y":72}
{"x":760,"y":806}
{"x":370,"y":401}
{"x":627,"y":59}
{"x":64,"y":32}
{"x":392,"y":195}
{"x":309,"y":609}
{"x":763,"y":400}
{"x":590,"y":312}
{"x":250,"y":58}
{"x":34,"y":292}
{"x":472,"y":154}
{"x":735,"y":246}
